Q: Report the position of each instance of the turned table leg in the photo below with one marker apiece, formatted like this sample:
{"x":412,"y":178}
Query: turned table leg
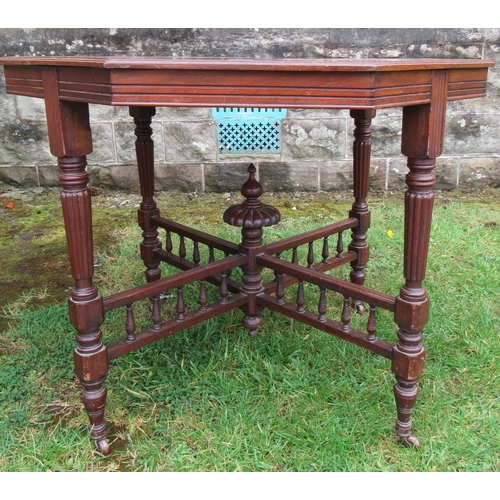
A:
{"x":70,"y":141}
{"x":144,"y":147}
{"x":422,"y":143}
{"x":361,"y":175}
{"x":86,"y":310}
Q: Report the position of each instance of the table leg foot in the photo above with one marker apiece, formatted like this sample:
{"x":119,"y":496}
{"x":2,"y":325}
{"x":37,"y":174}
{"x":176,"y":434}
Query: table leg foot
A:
{"x":252,"y":323}
{"x":102,"y":446}
{"x":410,"y":442}
{"x":405,"y":392}
{"x":94,"y":401}
{"x":358,"y":306}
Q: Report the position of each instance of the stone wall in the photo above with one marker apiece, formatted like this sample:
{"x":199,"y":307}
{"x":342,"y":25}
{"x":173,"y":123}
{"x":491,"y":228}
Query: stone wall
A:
{"x":315,"y":144}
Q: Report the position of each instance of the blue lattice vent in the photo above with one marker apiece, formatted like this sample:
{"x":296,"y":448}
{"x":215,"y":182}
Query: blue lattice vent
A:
{"x":248,"y":130}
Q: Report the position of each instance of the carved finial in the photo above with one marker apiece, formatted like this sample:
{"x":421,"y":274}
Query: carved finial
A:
{"x":252,"y":213}
{"x":252,"y":188}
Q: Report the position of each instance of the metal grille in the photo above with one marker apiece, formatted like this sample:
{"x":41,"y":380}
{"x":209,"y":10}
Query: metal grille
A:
{"x":248,"y":130}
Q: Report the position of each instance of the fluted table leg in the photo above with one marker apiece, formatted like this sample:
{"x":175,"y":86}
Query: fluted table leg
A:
{"x":70,"y":141}
{"x":361,"y":176}
{"x":422,"y":143}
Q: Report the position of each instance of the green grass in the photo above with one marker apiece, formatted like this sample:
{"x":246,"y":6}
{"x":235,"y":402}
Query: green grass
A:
{"x":291,"y":399}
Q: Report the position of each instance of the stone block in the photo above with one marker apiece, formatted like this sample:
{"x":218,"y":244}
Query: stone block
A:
{"x":291,"y":176}
{"x":19,"y":176}
{"x":48,"y":175}
{"x":8,"y":108}
{"x":335,"y":175}
{"x":125,"y":142}
{"x":434,"y":49}
{"x":248,"y":158}
{"x":30,"y":109}
{"x":100,"y":113}
{"x":338,"y":175}
{"x":190,"y":141}
{"x":378,"y":174}
{"x":24,"y":142}
{"x":115,"y":177}
{"x":222,"y":177}
{"x":186,"y":178}
{"x":479,"y":172}
{"x":446,"y":173}
{"x":386,"y":135}
{"x":469,"y":133}
{"x":475,"y":106}
{"x":316,"y":113}
{"x":103,"y":148}
{"x":313,"y":139}
{"x":183,"y":114}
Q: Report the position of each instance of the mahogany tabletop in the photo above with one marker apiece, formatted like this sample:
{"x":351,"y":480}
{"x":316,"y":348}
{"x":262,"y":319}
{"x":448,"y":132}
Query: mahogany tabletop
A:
{"x":292,"y":83}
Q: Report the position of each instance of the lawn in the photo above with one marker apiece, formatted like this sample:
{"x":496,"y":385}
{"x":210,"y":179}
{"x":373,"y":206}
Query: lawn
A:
{"x":292,"y":398}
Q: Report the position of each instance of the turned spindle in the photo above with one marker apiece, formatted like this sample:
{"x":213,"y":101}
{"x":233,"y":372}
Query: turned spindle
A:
{"x":130,"y":324}
{"x":202,"y":299}
{"x":322,"y":305}
{"x":325,"y":252}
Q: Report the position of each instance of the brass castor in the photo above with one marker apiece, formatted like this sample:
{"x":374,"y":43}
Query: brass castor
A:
{"x":358,"y":306}
{"x":103,"y":446}
{"x":410,"y":441}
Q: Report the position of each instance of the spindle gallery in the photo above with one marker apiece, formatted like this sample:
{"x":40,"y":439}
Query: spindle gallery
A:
{"x":421,"y":87}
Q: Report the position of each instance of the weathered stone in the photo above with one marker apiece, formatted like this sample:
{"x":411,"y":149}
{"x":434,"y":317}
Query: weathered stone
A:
{"x":118,"y":176}
{"x":195,"y":141}
{"x":470,"y":133}
{"x":291,"y":176}
{"x":183,"y":113}
{"x":48,"y":175}
{"x":8,"y":108}
{"x":19,"y":176}
{"x":248,"y":158}
{"x":100,"y":113}
{"x":24,"y":142}
{"x":479,"y":172}
{"x":223,"y":177}
{"x":125,"y":141}
{"x":316,"y":113}
{"x":307,"y":139}
{"x":30,"y":109}
{"x":335,"y":175}
{"x":446,"y":173}
{"x":443,"y":50}
{"x":378,"y":174}
{"x":386,"y":135}
{"x":103,"y":148}
{"x":179,"y":177}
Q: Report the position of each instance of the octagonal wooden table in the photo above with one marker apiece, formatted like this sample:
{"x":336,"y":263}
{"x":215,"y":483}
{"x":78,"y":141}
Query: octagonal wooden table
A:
{"x":422,"y":87}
